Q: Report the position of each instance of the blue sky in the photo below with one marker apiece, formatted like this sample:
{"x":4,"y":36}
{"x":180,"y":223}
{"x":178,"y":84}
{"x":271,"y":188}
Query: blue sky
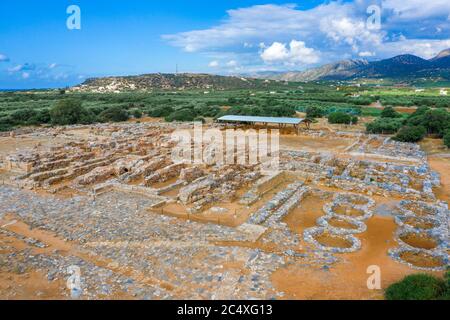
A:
{"x":224,"y":37}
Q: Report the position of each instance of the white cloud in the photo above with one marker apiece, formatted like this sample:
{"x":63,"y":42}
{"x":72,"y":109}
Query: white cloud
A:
{"x":3,"y":58}
{"x":16,"y":68}
{"x":25,"y":75}
{"x":259,"y":35}
{"x":416,"y":9}
{"x":22,"y":67}
{"x":213,"y":64}
{"x":353,"y":32}
{"x":297,"y":53}
{"x":366,"y":54}
{"x":253,"y":24}
{"x":52,"y":66}
{"x":276,"y":52}
{"x":420,"y":47}
{"x":232,"y":63}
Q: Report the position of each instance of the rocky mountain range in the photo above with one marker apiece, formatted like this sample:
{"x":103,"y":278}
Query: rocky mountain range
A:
{"x":402,"y":66}
{"x":399,"y":67}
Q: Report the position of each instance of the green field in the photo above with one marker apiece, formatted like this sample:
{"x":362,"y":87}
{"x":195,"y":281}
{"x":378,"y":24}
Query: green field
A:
{"x":273,"y":99}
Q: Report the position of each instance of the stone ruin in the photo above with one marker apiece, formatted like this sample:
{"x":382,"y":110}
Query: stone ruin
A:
{"x":423,"y":235}
{"x":384,"y":178}
{"x":136,"y":158}
{"x":355,"y":210}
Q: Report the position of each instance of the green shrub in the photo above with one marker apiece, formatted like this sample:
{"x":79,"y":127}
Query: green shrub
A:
{"x":447,"y":138}
{"x":355,"y":120}
{"x":181,"y":115}
{"x":384,"y":126}
{"x":22,"y":116}
{"x":446,"y":295}
{"x":97,"y":110}
{"x":411,"y":134}
{"x":114,"y":114}
{"x":42,"y":116}
{"x":160,"y":112}
{"x":416,"y":118}
{"x":5,"y":127}
{"x":339,"y":117}
{"x":417,"y":287}
{"x":70,"y":111}
{"x":436,"y":121}
{"x":136,"y":113}
{"x":314,"y":112}
{"x":389,"y":112}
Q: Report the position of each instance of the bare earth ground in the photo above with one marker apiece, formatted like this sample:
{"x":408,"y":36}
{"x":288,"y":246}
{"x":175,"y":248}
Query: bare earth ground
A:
{"x":439,"y":159}
{"x":214,"y":268}
{"x":347,"y":280}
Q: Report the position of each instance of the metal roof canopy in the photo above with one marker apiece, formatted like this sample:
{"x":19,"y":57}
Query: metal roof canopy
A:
{"x":294,"y":121}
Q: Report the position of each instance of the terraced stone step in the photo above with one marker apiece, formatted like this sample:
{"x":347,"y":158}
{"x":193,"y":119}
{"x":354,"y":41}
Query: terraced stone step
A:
{"x":276,"y":202}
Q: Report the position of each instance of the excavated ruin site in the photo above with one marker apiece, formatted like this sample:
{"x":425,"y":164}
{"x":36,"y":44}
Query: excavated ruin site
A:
{"x":109,"y":199}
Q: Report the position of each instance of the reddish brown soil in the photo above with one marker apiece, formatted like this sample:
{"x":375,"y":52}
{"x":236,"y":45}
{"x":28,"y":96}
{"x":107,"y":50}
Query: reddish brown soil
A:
{"x":30,"y":286}
{"x":418,"y":223}
{"x":338,"y":223}
{"x":441,"y":164}
{"x":421,"y":241}
{"x":293,"y":142}
{"x":407,"y":110}
{"x":329,"y":240}
{"x":306,"y":215}
{"x":346,"y":210}
{"x":348,"y":279}
{"x":421,"y":259}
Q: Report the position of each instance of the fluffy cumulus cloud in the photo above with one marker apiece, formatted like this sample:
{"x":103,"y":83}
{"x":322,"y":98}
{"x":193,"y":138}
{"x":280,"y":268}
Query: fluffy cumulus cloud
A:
{"x":296,"y":53}
{"x":213,"y":64}
{"x":353,"y":32}
{"x":424,"y":48}
{"x":288,"y":36}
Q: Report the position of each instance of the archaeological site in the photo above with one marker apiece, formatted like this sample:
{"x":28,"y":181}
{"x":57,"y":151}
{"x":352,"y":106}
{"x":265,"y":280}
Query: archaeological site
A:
{"x":108,"y":204}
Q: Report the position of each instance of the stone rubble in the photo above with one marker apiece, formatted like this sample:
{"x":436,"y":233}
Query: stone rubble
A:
{"x":120,"y":177}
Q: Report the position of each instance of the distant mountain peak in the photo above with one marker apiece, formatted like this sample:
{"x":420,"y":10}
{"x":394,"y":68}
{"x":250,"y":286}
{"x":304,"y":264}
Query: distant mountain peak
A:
{"x":401,"y":66}
{"x":443,"y":54}
{"x":406,"y":59}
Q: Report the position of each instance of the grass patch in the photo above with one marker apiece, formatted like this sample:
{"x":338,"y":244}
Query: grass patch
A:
{"x":420,"y":287}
